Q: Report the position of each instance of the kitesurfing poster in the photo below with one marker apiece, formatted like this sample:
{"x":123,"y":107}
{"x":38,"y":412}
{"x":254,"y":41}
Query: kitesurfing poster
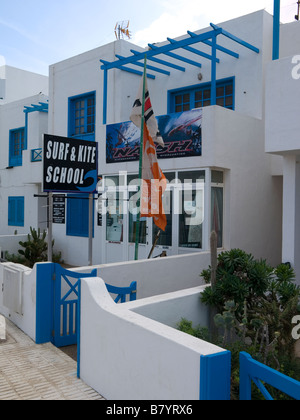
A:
{"x":181,"y":133}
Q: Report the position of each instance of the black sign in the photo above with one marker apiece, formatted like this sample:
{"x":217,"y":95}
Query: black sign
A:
{"x":70,"y":165}
{"x":59,"y":209}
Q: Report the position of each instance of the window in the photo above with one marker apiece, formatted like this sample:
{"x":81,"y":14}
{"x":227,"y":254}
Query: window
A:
{"x":165,"y":238}
{"x":114,"y":209}
{"x":191,"y":214}
{"x":16,"y":146}
{"x":82,"y":116}
{"x":16,"y":211}
{"x":200,"y":96}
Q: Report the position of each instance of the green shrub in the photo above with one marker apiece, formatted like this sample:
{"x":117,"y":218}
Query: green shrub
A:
{"x":253,"y":305}
{"x":36,"y":249}
{"x":264,"y":300}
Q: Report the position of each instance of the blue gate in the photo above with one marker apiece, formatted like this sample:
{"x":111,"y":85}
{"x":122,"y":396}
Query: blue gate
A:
{"x":67,"y":303}
{"x":66,"y":292}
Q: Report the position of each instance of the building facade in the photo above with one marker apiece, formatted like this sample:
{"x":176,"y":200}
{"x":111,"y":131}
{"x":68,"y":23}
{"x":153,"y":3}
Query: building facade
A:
{"x":230,"y":177}
{"x":214,"y":104}
{"x":23,"y":121}
{"x":282,"y":136}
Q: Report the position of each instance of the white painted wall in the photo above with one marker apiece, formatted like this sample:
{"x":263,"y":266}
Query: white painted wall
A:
{"x":252,"y":196}
{"x":150,"y":361}
{"x":20,"y":84}
{"x":26,"y":321}
{"x":155,"y":276}
{"x":282,"y":105}
{"x":170,"y":308}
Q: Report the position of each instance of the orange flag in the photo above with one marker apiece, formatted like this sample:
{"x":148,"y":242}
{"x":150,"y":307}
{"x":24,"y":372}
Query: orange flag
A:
{"x":153,"y":184}
{"x":153,"y":180}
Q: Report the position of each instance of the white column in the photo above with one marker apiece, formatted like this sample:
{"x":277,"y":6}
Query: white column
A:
{"x":289,"y":209}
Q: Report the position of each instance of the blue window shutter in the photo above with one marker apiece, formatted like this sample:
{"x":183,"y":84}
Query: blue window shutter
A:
{"x":11,"y":211}
{"x":20,"y":211}
{"x":16,"y":146}
{"x":16,"y":210}
{"x":78,"y":215}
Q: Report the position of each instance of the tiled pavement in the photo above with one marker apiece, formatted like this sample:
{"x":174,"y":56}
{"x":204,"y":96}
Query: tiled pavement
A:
{"x":30,"y":371}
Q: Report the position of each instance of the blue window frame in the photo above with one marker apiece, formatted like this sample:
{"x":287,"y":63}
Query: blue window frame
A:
{"x":82,"y":110}
{"x":16,"y":145}
{"x":16,"y":211}
{"x":78,"y":215}
{"x":199,"y":96}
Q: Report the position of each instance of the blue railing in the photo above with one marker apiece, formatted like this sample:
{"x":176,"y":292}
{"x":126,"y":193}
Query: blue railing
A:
{"x":36,"y":155}
{"x":251,"y":370}
{"x":122,"y":292}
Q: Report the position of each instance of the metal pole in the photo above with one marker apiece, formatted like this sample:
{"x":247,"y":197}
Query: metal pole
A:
{"x":91,"y":202}
{"x":50,"y":221}
{"x":138,"y":217}
{"x":154,"y":244}
{"x":214,"y":70}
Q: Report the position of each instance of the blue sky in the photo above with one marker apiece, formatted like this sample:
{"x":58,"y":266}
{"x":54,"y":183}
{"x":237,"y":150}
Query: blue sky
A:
{"x":37,"y":33}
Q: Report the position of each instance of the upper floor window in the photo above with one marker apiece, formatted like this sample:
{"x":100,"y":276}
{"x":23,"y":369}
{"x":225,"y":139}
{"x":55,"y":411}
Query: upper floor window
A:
{"x":16,"y":146}
{"x":82,"y":115}
{"x":200,"y":96}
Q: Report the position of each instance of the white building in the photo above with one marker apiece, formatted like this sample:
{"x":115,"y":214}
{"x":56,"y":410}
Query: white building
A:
{"x":238,"y":187}
{"x":23,"y":120}
{"x":235,"y":172}
{"x":282,"y":135}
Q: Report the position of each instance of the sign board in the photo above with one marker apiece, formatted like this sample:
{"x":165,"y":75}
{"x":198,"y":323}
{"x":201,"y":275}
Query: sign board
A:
{"x":59,"y":209}
{"x":70,"y":165}
{"x":181,"y":132}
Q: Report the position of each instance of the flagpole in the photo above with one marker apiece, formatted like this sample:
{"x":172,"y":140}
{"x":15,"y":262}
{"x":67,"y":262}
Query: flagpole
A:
{"x":138,"y":217}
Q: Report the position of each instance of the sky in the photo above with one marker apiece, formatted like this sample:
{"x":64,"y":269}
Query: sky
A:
{"x":37,"y":33}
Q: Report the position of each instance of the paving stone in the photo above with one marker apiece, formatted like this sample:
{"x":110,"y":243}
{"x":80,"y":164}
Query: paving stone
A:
{"x":30,"y":371}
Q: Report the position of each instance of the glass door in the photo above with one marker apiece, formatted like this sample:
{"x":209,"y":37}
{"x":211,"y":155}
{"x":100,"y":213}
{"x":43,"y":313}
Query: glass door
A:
{"x":145,"y":229}
{"x":164,"y":242}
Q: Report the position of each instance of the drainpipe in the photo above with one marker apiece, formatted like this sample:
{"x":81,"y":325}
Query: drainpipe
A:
{"x":276,"y":29}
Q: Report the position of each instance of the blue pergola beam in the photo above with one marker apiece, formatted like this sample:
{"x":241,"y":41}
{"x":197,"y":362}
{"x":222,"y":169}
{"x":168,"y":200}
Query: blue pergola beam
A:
{"x":235,"y":38}
{"x":209,"y":38}
{"x":42,"y":107}
{"x":213,"y":99}
{"x":177,"y":57}
{"x":276,"y":30}
{"x":120,"y":57}
{"x":219,"y":47}
{"x":164,"y":63}
{"x":129,"y":70}
{"x":193,"y":50}
{"x":160,"y":50}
